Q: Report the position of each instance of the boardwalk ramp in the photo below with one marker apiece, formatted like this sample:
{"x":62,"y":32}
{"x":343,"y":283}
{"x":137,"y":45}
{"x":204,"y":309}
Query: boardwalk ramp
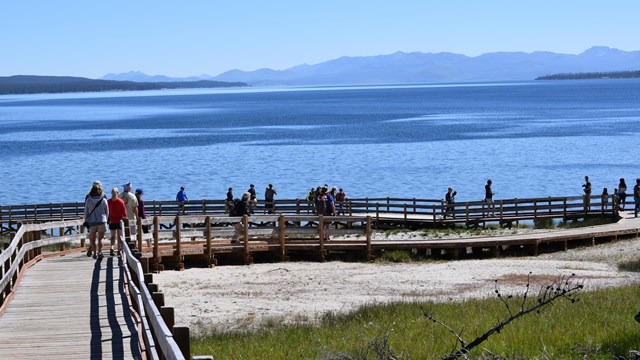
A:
{"x":70,"y":307}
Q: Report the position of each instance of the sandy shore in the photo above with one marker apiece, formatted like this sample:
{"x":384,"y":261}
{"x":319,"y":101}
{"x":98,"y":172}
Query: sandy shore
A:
{"x":246,"y":297}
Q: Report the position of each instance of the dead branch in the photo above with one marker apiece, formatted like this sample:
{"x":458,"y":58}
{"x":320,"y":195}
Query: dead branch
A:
{"x":563,"y":287}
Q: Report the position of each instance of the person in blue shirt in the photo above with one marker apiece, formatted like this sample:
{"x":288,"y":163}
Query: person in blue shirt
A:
{"x":181,"y":198}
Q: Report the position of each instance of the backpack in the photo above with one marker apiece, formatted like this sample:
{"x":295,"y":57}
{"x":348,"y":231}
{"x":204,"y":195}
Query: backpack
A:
{"x":238,"y":208}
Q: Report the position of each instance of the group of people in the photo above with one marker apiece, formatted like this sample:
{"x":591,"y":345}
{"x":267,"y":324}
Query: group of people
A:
{"x":250,"y":200}
{"x":450,"y":199}
{"x":98,"y":212}
{"x":326,"y":202}
{"x":619,"y":195}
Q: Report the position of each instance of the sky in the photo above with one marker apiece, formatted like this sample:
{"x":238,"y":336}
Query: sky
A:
{"x":192,"y":37}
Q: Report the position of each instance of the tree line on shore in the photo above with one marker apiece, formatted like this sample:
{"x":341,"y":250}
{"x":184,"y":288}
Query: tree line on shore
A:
{"x":28,"y":84}
{"x":593,"y":75}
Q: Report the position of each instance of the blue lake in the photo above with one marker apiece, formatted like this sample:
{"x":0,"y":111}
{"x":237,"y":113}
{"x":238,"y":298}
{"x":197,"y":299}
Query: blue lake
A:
{"x":533,"y":139}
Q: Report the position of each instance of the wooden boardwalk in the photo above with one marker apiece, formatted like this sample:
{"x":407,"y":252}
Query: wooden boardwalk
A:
{"x":70,"y":307}
{"x":562,"y":239}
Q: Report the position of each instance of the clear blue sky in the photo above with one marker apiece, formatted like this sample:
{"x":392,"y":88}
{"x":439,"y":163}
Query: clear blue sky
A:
{"x":191,"y":37}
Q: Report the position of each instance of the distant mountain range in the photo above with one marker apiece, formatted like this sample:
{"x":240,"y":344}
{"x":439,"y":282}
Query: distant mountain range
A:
{"x":417,"y":67}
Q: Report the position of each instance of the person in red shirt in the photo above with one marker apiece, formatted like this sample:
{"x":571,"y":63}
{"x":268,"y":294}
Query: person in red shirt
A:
{"x":117,"y":212}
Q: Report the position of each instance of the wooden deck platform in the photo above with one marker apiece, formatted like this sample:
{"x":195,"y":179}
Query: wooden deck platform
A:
{"x":70,"y":307}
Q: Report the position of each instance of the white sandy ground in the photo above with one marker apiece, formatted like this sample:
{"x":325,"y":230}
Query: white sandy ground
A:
{"x":247,"y":297}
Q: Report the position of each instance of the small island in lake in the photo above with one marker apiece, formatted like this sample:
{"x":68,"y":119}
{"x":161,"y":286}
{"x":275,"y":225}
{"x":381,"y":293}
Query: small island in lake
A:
{"x":29,"y":84}
{"x":593,"y":75}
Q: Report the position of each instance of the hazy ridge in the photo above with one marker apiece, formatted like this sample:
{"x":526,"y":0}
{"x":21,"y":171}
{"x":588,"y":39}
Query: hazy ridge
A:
{"x":417,"y":67}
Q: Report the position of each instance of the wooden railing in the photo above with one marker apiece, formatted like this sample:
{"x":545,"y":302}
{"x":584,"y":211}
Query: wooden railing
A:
{"x":25,"y":248}
{"x":382,"y":209}
{"x":172,"y":237}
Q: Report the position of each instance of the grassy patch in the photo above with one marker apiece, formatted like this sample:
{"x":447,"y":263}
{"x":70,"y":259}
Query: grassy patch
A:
{"x":397,"y":256}
{"x":631,"y":265}
{"x":585,"y":223}
{"x":599,"y":326}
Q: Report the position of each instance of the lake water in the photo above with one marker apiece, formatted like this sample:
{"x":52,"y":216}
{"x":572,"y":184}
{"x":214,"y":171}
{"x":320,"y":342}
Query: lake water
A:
{"x":533,"y":139}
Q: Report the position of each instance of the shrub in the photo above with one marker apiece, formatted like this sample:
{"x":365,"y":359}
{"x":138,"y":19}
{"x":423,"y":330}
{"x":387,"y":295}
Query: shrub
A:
{"x":397,"y":256}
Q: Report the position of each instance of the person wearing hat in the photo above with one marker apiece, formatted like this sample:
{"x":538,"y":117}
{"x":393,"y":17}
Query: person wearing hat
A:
{"x":141,"y":213}
{"x":131,"y":203}
{"x":181,"y":198}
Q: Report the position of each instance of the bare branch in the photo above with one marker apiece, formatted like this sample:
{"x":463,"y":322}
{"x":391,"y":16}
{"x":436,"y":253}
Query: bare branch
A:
{"x":430,"y":317}
{"x":563,"y":287}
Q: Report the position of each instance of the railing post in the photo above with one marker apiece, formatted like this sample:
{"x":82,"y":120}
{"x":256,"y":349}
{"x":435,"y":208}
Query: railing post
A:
{"x":388,"y":203}
{"x":535,"y":210}
{"x":414,"y":206}
{"x":245,"y":225}
{"x":368,"y":230}
{"x":168,"y":315}
{"x":467,"y":212}
{"x":433,"y":209}
{"x":366,"y":204}
{"x":156,"y":239}
{"x":139,"y":234}
{"x":61,"y":231}
{"x":405,"y":214}
{"x":181,"y":336}
{"x":564,"y":208}
{"x":178,"y":236}
{"x":281,"y":237}
{"x":207,"y":224}
{"x":321,"y":233}
{"x":378,"y":211}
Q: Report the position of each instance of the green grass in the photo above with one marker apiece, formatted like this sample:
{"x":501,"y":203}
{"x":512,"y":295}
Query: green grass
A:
{"x":397,"y":256}
{"x":587,"y":222}
{"x":631,"y":265}
{"x":599,"y":326}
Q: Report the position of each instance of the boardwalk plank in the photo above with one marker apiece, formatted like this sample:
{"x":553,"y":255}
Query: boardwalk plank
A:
{"x":69,"y":307}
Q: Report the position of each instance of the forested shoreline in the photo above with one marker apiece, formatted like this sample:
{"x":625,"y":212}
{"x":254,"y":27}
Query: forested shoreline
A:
{"x":592,"y":75}
{"x":27,"y":84}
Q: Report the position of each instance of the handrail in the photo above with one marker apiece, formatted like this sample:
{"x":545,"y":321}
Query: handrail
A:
{"x":299,"y":206}
{"x":147,"y":310}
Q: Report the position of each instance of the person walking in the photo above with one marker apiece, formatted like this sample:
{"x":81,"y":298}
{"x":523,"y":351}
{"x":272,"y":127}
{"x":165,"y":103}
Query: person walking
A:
{"x":269,"y":194}
{"x":96,"y":213}
{"x":117,"y":212}
{"x":142,"y":214}
{"x":228,"y":204}
{"x":586,"y":187}
{"x":488,"y":198}
{"x":253,"y":199}
{"x":636,"y":197}
{"x":181,"y":198}
{"x":341,"y":197}
{"x":131,"y":203}
{"x":449,"y":199}
{"x":326,"y":207}
{"x":311,"y":195}
{"x":622,"y":194}
{"x":240,"y":208}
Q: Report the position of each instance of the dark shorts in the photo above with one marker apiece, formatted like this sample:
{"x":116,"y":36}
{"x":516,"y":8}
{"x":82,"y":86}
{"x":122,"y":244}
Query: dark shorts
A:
{"x":115,"y":226}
